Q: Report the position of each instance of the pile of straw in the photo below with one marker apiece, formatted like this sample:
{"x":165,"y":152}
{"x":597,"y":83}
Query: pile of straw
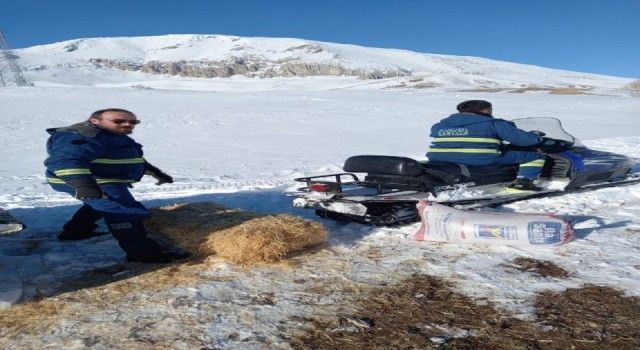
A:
{"x":246,"y":238}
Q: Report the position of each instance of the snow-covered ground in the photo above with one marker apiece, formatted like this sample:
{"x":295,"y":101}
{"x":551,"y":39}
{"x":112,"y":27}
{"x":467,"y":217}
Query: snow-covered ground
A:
{"x":240,"y":141}
{"x":243,"y":149}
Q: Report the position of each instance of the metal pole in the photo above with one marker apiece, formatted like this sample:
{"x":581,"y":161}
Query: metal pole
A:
{"x":8,"y":63}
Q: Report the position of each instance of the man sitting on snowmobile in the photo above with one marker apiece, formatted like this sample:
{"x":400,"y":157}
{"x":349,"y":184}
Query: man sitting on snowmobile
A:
{"x":475,"y":137}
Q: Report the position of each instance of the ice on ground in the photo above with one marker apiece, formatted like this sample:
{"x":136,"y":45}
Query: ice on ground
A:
{"x":10,"y":291}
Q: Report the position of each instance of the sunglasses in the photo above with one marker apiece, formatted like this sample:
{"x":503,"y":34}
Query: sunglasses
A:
{"x":122,"y":121}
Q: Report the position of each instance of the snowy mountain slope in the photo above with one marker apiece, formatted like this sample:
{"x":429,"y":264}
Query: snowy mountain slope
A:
{"x":158,"y":60}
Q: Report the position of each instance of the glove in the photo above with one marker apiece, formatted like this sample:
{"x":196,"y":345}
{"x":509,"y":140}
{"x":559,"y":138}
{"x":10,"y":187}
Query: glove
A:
{"x":549,"y":145}
{"x":89,"y":192}
{"x":161,"y":176}
{"x":547,"y":142}
{"x":86,"y":188}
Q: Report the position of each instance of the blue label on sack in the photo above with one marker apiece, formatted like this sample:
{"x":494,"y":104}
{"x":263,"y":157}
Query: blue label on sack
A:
{"x":544,"y":232}
{"x":496,"y":231}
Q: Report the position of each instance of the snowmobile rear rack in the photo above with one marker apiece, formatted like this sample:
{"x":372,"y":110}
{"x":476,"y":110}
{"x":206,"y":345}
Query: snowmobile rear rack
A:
{"x":310,"y":180}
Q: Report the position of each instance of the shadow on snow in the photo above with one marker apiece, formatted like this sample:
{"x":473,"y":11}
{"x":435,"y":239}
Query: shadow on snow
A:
{"x":48,"y":267}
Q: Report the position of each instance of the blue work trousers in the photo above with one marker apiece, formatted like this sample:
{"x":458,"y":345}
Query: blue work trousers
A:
{"x":122,"y":213}
{"x":531,"y":163}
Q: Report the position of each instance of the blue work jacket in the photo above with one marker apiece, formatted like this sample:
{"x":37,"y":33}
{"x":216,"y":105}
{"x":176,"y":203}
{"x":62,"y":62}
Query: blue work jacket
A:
{"x":84,"y":150}
{"x":475,"y":139}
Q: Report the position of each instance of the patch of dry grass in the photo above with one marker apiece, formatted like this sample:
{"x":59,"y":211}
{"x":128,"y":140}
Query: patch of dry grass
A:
{"x":423,"y":312}
{"x":486,"y":89}
{"x":207,"y":229}
{"x":570,"y":91}
{"x":592,"y":317}
{"x":426,"y":85}
{"x":92,"y":292}
{"x":31,"y":317}
{"x":190,"y":225}
{"x":201,"y":228}
{"x":540,"y":268}
{"x":264,"y":240}
{"x":417,"y":83}
{"x":533,"y":88}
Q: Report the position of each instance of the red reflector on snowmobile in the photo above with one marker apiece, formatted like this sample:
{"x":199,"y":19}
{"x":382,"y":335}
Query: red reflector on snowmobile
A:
{"x":319,"y":188}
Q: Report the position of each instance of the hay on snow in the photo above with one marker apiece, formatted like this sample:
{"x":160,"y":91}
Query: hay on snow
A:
{"x":246,"y":238}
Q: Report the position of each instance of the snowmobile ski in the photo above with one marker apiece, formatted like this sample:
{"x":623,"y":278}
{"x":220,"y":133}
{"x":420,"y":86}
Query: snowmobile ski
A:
{"x":526,"y":195}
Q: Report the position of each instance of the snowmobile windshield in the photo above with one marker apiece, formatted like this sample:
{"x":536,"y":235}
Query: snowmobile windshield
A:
{"x":552,"y":128}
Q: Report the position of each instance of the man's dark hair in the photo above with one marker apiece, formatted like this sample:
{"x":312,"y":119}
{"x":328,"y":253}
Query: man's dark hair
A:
{"x":473,"y":106}
{"x":98,"y":114}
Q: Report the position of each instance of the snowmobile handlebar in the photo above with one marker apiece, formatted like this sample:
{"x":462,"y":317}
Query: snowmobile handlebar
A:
{"x":550,"y":145}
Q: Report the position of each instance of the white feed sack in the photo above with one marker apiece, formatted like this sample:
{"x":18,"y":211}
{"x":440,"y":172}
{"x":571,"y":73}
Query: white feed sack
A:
{"x":444,"y":224}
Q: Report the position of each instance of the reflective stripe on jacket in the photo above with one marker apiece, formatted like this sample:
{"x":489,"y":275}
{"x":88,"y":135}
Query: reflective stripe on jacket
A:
{"x":84,"y":150}
{"x":474,"y":139}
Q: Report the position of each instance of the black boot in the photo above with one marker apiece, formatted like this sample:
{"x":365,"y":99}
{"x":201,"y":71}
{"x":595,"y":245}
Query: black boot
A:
{"x":82,"y":225}
{"x":524,"y":184}
{"x":166,"y":246}
{"x":132,"y":238}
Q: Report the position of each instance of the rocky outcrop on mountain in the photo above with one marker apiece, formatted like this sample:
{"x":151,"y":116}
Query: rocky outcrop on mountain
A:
{"x":634,"y":87}
{"x":301,"y":69}
{"x":253,"y":67}
{"x":193,"y":69}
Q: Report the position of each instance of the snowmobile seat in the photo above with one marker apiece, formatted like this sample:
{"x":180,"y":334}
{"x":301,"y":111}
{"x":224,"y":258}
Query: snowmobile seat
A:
{"x":407,"y":173}
{"x":402,"y":166}
{"x":384,"y":165}
{"x":391,"y":172}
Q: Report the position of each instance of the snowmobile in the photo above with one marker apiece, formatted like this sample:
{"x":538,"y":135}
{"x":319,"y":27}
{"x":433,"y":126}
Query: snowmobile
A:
{"x":384,"y":190}
{"x":9,"y":224}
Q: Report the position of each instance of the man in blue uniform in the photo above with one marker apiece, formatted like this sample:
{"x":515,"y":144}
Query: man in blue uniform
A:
{"x":96,"y":162}
{"x":474,"y":137}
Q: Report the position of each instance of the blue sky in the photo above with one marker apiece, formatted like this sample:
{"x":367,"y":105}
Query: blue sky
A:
{"x":597,"y":36}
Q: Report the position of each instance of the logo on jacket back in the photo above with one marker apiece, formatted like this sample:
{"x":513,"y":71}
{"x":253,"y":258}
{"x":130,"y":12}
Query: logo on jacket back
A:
{"x":453,"y":132}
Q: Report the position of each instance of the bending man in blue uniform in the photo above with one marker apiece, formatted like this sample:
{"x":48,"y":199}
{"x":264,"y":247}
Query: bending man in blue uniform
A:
{"x":97,"y":162}
{"x":474,"y":137}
